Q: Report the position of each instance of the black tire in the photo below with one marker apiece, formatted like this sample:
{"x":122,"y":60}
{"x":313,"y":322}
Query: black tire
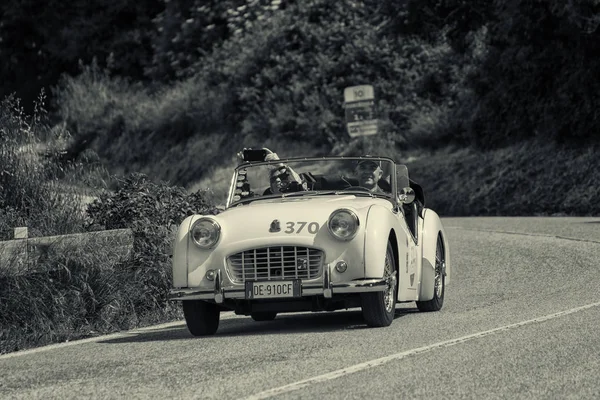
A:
{"x":439,"y":289}
{"x":378,"y":308}
{"x":201,"y":317}
{"x":263,"y":316}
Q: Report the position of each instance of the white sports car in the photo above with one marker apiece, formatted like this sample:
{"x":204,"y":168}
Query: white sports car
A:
{"x":312,"y":234}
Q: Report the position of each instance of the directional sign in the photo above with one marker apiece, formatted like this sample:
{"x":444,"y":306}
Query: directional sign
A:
{"x":359,"y":102}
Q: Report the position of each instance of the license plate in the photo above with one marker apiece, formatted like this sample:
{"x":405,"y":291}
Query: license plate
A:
{"x":273,"y":289}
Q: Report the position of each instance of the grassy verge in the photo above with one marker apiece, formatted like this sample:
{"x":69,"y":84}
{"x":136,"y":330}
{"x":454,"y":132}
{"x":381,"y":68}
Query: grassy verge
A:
{"x":82,"y":293}
{"x":529,"y":178}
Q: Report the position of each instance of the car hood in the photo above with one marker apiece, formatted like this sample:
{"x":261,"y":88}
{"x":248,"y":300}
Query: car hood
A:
{"x":254,"y":220}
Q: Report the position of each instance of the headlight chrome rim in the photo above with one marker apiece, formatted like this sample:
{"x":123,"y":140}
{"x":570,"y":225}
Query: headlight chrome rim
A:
{"x":215,"y":232}
{"x":355,"y":221}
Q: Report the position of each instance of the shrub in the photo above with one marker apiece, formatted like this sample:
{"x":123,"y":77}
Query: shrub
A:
{"x":153,"y":211}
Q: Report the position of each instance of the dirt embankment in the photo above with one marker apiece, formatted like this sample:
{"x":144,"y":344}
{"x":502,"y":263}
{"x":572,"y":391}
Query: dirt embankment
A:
{"x":530,"y":178}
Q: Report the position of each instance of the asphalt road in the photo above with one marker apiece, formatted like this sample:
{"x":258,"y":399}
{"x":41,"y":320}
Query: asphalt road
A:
{"x":520,"y":320}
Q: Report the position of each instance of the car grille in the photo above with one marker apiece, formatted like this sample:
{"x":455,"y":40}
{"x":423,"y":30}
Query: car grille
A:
{"x":275,"y":263}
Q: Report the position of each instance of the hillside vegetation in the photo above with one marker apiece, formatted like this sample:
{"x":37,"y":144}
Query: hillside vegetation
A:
{"x":205,"y":78}
{"x":474,"y":74}
{"x":493,"y":105}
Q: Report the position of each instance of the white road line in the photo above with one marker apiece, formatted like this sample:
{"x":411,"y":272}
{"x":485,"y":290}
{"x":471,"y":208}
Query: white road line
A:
{"x":398,"y":356}
{"x":116,"y":335}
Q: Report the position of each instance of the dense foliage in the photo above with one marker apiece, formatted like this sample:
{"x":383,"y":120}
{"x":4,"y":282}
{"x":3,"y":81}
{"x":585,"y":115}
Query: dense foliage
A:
{"x":42,"y":39}
{"x":538,"y":77}
{"x":33,"y":183}
{"x":476,"y":72}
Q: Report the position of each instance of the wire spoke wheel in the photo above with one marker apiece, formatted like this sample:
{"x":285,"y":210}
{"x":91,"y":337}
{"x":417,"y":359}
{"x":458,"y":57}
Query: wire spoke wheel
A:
{"x":378,"y":308}
{"x":390,"y":277}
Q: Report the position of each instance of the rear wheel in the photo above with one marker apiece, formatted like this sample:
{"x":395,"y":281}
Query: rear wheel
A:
{"x":439,"y":282}
{"x":201,"y":317}
{"x":263,"y":316}
{"x":378,"y":308}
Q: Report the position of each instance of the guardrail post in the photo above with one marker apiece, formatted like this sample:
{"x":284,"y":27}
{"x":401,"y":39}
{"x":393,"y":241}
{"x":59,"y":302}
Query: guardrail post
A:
{"x":22,"y":233}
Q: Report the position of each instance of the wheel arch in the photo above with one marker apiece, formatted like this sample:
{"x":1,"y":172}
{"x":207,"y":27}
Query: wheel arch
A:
{"x":379,"y":231}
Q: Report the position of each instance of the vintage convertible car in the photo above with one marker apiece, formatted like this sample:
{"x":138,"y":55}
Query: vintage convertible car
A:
{"x":312,"y":234}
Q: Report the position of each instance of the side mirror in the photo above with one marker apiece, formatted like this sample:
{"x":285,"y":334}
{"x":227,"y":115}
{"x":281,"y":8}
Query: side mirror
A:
{"x":407,"y":195}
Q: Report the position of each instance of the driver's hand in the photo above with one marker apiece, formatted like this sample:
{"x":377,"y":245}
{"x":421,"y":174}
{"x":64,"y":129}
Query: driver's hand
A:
{"x":271,"y":156}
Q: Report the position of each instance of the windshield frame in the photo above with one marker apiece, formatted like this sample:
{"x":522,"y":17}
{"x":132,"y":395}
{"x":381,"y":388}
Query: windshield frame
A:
{"x":230,"y":203}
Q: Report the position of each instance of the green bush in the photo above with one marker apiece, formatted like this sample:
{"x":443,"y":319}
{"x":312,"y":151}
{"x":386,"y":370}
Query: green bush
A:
{"x":152,"y":211}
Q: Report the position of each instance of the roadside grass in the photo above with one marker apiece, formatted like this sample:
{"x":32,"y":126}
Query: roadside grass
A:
{"x":531,"y":178}
{"x":81,"y":293}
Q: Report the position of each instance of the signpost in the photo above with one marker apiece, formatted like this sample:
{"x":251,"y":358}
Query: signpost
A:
{"x":359,"y":102}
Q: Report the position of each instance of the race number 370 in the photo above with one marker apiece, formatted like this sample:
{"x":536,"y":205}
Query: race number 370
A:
{"x":298,"y":227}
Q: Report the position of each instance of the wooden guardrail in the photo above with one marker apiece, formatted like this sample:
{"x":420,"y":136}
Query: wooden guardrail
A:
{"x":24,"y":255}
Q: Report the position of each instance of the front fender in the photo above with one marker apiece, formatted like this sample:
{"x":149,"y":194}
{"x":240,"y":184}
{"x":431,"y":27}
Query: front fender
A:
{"x":377,"y":232}
{"x":432,"y":227}
{"x":180,"y":254}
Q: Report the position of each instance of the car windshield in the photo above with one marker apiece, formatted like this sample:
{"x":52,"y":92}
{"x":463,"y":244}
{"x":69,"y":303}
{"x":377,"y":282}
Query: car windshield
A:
{"x":298,"y":177}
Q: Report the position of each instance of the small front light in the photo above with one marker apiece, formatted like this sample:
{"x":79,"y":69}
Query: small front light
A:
{"x":205,"y":233}
{"x":343,"y":224}
{"x":341,"y":266}
{"x":210,"y":274}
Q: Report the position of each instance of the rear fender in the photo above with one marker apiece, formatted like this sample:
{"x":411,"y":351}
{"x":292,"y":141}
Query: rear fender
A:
{"x":432,"y":227}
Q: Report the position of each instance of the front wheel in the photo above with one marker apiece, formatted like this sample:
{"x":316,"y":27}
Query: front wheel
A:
{"x":439,"y":282}
{"x":378,"y":308}
{"x":201,"y":317}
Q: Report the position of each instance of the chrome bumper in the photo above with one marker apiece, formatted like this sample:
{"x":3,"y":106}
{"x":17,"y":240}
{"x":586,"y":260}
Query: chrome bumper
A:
{"x":326,"y":289}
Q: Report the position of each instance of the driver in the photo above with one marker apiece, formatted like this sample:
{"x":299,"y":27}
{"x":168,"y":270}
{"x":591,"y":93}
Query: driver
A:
{"x":368,"y":173}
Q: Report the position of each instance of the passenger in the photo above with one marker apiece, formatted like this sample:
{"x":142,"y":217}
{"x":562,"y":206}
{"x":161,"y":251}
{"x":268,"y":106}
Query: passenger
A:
{"x":282,"y":178}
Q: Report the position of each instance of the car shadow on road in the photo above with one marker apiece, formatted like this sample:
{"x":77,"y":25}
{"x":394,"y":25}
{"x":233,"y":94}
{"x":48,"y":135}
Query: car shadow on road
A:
{"x":284,"y":324}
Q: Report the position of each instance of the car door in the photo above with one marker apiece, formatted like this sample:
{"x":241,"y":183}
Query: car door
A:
{"x":408,"y":249}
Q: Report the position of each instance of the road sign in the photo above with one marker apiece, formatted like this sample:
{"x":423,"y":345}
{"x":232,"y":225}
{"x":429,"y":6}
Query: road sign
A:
{"x":359,"y":102}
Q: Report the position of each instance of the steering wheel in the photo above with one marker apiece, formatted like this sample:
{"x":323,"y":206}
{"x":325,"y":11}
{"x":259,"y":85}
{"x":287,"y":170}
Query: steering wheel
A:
{"x":357,"y":188}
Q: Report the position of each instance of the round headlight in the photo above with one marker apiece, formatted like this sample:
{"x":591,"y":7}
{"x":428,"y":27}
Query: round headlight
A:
{"x":205,"y":233}
{"x":343,"y":224}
